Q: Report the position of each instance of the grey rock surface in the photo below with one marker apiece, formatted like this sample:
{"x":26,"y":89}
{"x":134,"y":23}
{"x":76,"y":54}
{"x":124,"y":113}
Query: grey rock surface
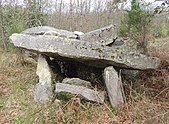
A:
{"x":102,"y":35}
{"x":118,"y":42}
{"x":84,"y":51}
{"x":114,"y":86}
{"x":78,"y":33}
{"x":77,"y":81}
{"x":89,"y":94}
{"x":43,"y":90}
{"x":115,"y":43}
{"x":47,"y":30}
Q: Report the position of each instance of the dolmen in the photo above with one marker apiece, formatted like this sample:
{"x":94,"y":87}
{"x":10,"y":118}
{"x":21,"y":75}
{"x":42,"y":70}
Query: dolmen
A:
{"x":86,"y":64}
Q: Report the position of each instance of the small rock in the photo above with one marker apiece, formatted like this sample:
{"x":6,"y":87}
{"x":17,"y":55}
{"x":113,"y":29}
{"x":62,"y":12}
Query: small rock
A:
{"x":118,"y":42}
{"x":115,"y":43}
{"x":100,"y":35}
{"x":78,"y":33}
{"x":114,"y":86}
{"x":89,"y":94}
{"x":77,"y":81}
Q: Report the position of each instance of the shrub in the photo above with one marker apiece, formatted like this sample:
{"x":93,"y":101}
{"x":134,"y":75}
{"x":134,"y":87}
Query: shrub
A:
{"x":15,"y":27}
{"x":17,"y":18}
{"x":137,"y":25}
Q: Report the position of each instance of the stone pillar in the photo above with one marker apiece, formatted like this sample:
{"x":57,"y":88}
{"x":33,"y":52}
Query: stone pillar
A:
{"x":114,"y":86}
{"x":43,"y":90}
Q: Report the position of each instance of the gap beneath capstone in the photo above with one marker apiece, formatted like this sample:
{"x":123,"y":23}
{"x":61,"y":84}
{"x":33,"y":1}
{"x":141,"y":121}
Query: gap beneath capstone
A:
{"x":73,"y":69}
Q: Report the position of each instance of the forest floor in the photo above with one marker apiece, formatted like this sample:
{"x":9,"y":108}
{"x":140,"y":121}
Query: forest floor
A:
{"x":147,"y":99}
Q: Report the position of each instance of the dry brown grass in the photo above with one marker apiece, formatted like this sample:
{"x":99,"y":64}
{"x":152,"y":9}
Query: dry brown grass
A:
{"x":147,"y":98}
{"x":160,"y":48}
{"x":11,"y":60}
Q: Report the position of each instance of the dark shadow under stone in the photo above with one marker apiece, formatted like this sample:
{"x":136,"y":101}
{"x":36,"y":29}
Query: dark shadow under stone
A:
{"x":63,"y":69}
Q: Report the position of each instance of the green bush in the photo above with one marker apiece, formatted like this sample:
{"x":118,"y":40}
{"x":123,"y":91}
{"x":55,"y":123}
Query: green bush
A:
{"x":17,"y":18}
{"x":137,"y":25}
{"x":16,"y":27}
{"x":123,"y":32}
{"x":36,"y":18}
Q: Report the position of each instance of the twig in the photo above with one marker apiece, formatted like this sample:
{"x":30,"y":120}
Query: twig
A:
{"x":105,"y":104}
{"x":69,"y":101}
{"x":161,"y":92}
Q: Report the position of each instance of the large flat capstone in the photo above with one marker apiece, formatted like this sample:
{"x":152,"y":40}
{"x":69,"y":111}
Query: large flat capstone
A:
{"x":84,"y":51}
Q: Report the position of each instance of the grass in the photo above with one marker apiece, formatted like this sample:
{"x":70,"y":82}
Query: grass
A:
{"x":147,"y":98}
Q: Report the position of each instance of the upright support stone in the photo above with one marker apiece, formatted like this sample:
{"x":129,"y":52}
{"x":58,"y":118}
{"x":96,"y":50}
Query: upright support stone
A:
{"x":43,"y":90}
{"x":114,"y":86}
